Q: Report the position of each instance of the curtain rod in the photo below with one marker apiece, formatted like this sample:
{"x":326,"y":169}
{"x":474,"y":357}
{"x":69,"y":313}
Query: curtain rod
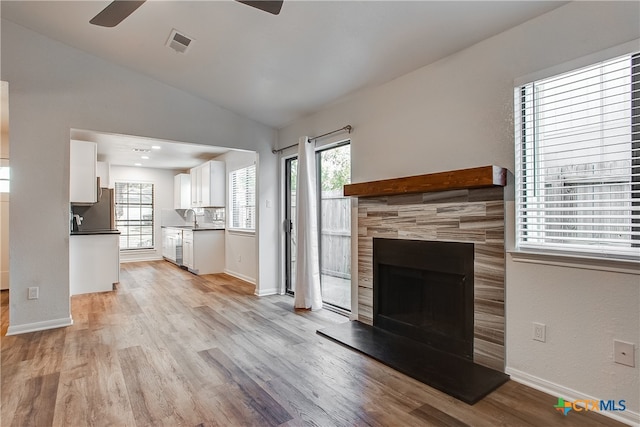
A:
{"x":348,"y":128}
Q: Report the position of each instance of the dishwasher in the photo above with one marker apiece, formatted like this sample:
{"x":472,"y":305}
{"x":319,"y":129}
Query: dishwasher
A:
{"x":172,"y":245}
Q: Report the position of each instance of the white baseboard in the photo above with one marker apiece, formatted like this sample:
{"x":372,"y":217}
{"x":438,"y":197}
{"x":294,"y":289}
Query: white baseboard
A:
{"x":265,"y":292}
{"x":240,"y":276}
{"x":138,"y":258}
{"x":39,"y":326}
{"x":556,"y":390}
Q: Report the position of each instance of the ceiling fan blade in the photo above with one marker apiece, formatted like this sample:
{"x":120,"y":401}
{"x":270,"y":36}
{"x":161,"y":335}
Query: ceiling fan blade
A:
{"x":115,"y":13}
{"x":272,"y":7}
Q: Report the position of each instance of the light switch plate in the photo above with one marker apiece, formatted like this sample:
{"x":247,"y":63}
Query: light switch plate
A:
{"x":624,"y":353}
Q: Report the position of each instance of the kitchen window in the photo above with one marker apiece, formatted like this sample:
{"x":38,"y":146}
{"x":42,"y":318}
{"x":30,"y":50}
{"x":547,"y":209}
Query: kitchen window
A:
{"x":134,"y":215}
{"x":242,"y":187}
{"x":578,"y":161}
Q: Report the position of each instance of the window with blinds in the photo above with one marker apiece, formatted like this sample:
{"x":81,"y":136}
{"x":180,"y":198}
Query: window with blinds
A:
{"x":134,"y":214}
{"x":242,"y":187}
{"x":578,"y":161}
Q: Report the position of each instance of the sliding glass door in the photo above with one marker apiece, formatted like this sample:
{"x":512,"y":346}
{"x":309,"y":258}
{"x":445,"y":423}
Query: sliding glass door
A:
{"x":334,"y":213}
{"x":291,"y":172}
{"x":334,"y":171}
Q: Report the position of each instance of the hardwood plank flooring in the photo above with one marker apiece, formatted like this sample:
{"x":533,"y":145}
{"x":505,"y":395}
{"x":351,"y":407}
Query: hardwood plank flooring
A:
{"x":170,"y":348}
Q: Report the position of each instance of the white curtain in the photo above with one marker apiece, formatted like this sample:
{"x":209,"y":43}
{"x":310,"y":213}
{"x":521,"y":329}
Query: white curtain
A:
{"x":307,"y":291}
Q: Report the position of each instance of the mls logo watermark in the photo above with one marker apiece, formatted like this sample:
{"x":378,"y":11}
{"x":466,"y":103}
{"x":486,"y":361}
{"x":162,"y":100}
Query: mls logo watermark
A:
{"x":566,"y":406}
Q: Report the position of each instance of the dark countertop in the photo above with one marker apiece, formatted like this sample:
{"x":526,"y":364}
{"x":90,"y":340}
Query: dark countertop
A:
{"x":93,"y":232}
{"x":192,"y":228}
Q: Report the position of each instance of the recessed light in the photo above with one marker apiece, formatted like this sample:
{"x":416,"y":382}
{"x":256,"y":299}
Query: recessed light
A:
{"x":137,"y":164}
{"x":156,"y":147}
{"x":144,"y":157}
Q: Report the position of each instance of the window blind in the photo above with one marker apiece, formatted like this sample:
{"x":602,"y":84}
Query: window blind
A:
{"x":578,"y":160}
{"x":242,"y":184}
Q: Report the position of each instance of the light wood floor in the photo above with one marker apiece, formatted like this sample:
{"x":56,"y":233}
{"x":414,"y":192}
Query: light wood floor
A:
{"x":170,"y":348}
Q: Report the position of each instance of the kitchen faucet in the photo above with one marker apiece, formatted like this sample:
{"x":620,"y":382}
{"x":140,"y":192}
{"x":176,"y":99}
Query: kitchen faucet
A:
{"x":195,"y":219}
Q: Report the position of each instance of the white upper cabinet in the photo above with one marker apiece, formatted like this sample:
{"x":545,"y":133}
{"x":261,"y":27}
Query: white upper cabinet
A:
{"x":104,"y":173}
{"x":182,"y":191}
{"x":208,"y":185}
{"x":83,"y":160}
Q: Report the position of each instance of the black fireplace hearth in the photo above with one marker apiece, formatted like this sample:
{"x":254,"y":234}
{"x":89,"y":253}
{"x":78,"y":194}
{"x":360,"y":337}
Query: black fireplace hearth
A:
{"x":423,"y":317}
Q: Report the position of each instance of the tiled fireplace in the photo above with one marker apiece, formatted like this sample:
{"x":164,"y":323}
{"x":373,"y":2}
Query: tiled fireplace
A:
{"x":473,"y":215}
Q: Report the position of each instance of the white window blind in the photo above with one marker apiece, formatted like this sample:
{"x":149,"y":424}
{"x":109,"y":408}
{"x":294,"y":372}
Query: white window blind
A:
{"x":242,"y":183}
{"x":578,"y":161}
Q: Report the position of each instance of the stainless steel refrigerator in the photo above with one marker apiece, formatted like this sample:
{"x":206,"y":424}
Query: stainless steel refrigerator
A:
{"x":96,"y":217}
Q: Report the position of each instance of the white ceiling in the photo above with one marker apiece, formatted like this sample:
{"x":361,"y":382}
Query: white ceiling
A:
{"x":276,"y":69}
{"x":126,"y":150}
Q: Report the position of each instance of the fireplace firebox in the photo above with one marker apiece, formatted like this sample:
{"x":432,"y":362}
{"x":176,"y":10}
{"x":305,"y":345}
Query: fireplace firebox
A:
{"x":423,"y":290}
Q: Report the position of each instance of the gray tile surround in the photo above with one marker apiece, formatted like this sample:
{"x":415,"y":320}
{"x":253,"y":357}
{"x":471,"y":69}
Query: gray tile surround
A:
{"x":475,"y":216}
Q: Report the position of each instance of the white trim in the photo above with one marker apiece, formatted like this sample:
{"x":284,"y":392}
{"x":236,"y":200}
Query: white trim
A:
{"x":149,"y":257}
{"x":329,"y":144}
{"x":576,"y":261}
{"x":39,"y":326}
{"x":584,"y":61}
{"x":240,"y":276}
{"x":266,"y":292}
{"x":628,"y":417}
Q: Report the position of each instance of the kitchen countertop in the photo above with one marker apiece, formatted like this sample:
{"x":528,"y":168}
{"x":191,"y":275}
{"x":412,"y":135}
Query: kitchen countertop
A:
{"x":192,"y":228}
{"x":93,"y":232}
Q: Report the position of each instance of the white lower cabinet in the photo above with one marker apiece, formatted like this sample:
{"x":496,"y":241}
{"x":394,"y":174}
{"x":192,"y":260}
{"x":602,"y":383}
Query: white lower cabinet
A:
{"x":94,"y":263}
{"x":203,"y":251}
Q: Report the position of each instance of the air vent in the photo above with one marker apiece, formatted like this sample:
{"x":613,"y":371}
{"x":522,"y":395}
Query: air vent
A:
{"x":179,"y":42}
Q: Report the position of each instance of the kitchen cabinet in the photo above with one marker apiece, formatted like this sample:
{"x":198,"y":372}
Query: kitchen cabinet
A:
{"x":104,"y":173}
{"x":182,"y":191}
{"x":172,"y":245}
{"x":83,"y":159}
{"x":187,"y":250}
{"x":203,"y":251}
{"x":94,"y":262}
{"x":208,"y":185}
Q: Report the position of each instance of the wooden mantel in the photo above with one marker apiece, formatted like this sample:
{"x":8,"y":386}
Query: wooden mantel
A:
{"x":485,"y":176}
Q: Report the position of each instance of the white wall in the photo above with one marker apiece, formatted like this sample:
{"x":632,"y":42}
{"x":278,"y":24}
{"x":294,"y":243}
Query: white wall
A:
{"x":241,"y":250}
{"x":54,"y":88}
{"x":458,"y":113}
{"x":162,"y":180}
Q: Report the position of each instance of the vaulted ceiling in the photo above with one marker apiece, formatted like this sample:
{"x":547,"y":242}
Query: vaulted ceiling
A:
{"x":275,"y":69}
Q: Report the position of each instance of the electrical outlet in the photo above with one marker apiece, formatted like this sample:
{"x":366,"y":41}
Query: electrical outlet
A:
{"x":239,"y":258}
{"x":33,"y":292}
{"x":624,"y":353}
{"x":539,"y":332}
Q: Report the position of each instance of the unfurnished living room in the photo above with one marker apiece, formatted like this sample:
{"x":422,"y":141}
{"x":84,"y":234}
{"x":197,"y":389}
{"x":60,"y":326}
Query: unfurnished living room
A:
{"x":329,"y":213}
